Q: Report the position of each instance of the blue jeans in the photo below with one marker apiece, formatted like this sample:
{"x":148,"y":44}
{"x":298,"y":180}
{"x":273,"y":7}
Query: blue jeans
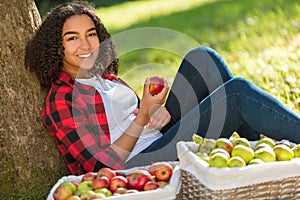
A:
{"x":206,"y":99}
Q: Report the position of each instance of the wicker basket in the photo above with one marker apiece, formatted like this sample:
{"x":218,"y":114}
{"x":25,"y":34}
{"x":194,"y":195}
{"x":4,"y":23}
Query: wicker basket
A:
{"x":287,"y":188}
{"x":192,"y":187}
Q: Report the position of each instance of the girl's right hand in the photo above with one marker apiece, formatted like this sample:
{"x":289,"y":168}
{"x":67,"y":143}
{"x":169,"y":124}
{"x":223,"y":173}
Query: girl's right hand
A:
{"x":150,"y":103}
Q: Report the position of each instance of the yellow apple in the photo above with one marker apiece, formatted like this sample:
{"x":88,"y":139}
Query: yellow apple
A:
{"x":265,"y":154}
{"x":283,"y":152}
{"x":236,"y":161}
{"x":244,"y":152}
{"x":218,"y":160}
{"x":296,"y":150}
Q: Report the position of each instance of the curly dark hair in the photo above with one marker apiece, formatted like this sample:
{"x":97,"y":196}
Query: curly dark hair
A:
{"x":43,"y":57}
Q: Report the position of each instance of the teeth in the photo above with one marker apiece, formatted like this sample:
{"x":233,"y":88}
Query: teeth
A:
{"x":84,"y":55}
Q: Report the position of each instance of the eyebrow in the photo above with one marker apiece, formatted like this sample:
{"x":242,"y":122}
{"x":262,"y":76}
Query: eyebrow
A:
{"x":73,"y":32}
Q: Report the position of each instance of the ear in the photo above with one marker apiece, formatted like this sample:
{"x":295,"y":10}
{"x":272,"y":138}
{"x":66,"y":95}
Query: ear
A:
{"x":60,"y":51}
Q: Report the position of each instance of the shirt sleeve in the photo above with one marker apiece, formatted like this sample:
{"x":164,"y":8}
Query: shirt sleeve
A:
{"x":78,"y":132}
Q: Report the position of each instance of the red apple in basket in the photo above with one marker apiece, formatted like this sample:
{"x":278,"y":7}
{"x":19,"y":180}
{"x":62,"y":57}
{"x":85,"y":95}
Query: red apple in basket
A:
{"x":108,"y":172}
{"x":161,"y":170}
{"x":100,"y":182}
{"x":151,"y":185}
{"x":138,"y":179}
{"x":62,"y":192}
{"x":89,"y":176}
{"x":156,"y":85}
{"x":118,"y":182}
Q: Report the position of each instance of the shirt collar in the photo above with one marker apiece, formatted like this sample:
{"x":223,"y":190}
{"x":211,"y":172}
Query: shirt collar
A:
{"x":65,"y":77}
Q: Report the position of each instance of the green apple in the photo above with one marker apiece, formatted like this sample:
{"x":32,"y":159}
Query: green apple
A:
{"x":233,"y":136}
{"x":296,"y":150}
{"x":236,"y":161}
{"x":218,"y":160}
{"x":104,"y":191}
{"x":223,"y":143}
{"x":219,"y":150}
{"x":255,"y":161}
{"x":244,"y":152}
{"x":265,"y":154}
{"x":85,"y":186}
{"x":266,"y":140}
{"x":283,"y":152}
{"x":197,"y":139}
{"x":242,"y":141}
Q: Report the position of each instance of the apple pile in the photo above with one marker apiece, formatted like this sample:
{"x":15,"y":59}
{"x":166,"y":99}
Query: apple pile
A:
{"x":237,"y":151}
{"x":107,"y":182}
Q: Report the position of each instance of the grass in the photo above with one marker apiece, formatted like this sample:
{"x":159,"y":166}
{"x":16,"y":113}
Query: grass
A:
{"x":259,"y":40}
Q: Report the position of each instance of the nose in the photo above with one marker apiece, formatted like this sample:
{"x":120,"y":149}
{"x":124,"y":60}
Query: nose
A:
{"x":85,"y":44}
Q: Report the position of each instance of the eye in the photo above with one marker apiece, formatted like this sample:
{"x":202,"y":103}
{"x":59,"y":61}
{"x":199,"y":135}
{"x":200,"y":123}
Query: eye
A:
{"x":92,"y":34}
{"x":71,"y":38}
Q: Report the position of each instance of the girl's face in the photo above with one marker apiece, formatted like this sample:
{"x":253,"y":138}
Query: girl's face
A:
{"x":81,"y":43}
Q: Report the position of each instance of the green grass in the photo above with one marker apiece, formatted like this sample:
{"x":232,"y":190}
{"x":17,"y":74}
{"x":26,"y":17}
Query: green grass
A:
{"x":259,"y":39}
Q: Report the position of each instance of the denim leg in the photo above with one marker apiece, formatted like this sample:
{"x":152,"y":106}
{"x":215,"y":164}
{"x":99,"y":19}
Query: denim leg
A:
{"x":243,"y":102}
{"x":201,"y":72}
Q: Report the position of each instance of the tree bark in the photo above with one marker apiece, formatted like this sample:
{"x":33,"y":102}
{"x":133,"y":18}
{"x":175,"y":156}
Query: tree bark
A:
{"x":29,"y":161}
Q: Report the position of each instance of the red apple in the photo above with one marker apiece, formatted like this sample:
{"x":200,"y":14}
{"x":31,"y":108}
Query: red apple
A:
{"x":161,"y":170}
{"x":89,"y":176}
{"x":151,"y":185}
{"x":62,"y":192}
{"x":138,"y":179}
{"x":108,"y":172}
{"x":156,"y":85}
{"x":70,"y":185}
{"x":117,"y":182}
{"x":100,"y":182}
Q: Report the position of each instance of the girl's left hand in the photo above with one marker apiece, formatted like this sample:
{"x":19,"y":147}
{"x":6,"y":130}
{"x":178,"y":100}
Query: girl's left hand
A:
{"x":159,"y":117}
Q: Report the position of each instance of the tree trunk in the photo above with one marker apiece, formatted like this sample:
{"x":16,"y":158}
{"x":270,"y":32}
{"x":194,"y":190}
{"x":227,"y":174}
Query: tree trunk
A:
{"x":29,"y":161}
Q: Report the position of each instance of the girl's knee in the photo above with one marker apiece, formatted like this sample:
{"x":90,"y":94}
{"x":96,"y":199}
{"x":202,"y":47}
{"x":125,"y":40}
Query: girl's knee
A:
{"x":238,"y":84}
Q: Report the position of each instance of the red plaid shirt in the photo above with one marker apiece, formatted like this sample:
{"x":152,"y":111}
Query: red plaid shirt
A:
{"x":75,"y":116}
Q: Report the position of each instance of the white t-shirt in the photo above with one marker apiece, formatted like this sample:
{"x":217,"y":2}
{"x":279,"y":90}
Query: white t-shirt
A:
{"x":120,"y":103}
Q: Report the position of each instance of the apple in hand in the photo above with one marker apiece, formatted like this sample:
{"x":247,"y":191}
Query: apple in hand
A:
{"x":100,"y":182}
{"x":156,"y":85}
{"x":161,"y":170}
{"x":108,"y":172}
{"x":62,"y":192}
{"x":118,"y":182}
{"x":138,"y":179}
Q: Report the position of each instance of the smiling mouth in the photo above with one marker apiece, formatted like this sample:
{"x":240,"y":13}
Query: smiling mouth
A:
{"x":85,"y":55}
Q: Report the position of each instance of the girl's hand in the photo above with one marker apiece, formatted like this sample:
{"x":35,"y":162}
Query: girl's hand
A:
{"x":159,"y":118}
